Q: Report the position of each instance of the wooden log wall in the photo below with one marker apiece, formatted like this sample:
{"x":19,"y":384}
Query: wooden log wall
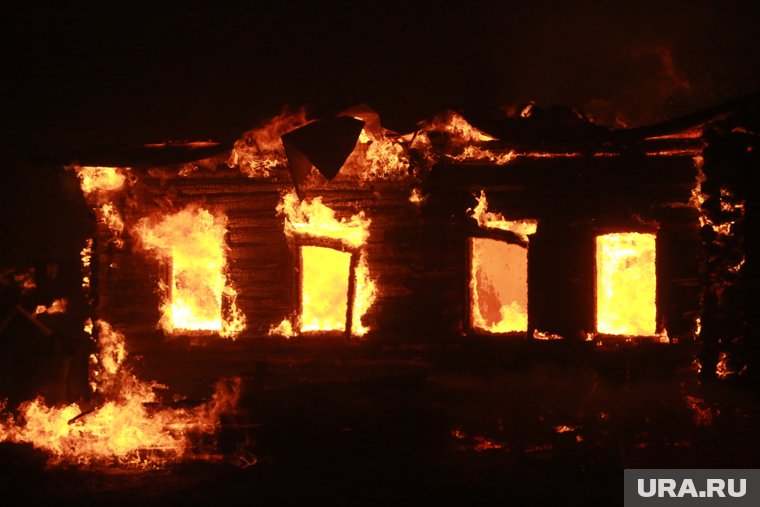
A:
{"x":261,"y":260}
{"x":419,"y":256}
{"x":575,"y":199}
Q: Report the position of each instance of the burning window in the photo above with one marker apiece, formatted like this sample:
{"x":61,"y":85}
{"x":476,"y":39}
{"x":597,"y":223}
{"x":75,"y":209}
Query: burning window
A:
{"x":324,"y":288}
{"x":499,"y":271}
{"x":626,"y":284}
{"x":335,"y":289}
{"x":192,"y":243}
{"x":498,"y":286}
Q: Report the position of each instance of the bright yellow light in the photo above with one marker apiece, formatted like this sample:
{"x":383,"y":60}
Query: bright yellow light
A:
{"x":626,"y":284}
{"x":324,"y":293}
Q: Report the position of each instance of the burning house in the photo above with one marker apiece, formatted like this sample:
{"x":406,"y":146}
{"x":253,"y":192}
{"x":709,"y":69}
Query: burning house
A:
{"x":531,"y":229}
{"x":540,"y":226}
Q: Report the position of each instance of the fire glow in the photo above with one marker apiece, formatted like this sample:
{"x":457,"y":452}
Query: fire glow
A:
{"x":498,"y":286}
{"x":499,"y":273}
{"x":626,"y":284}
{"x":192,"y":241}
{"x":336,"y":288}
{"x":489,"y":220}
{"x":122,"y":429}
{"x":100,"y":179}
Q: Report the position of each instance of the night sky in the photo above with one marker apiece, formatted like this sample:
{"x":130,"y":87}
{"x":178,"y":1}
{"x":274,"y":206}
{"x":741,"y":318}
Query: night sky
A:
{"x":120,"y":73}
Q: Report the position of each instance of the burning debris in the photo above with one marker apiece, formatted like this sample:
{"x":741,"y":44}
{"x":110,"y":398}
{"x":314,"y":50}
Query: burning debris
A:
{"x":123,"y":427}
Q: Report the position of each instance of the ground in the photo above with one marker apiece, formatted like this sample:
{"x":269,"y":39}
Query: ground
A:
{"x":464,"y":423}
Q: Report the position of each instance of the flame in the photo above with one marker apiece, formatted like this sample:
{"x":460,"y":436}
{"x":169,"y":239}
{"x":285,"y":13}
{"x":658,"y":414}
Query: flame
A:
{"x":626,"y":284}
{"x":498,"y":276}
{"x":312,"y":218}
{"x":25,"y":280}
{"x":416,"y":197}
{"x":488,"y":220}
{"x":477,"y":443}
{"x":473,"y":152}
{"x":366,"y":293}
{"x":100,"y":179}
{"x":123,"y":430}
{"x":722,"y":370}
{"x":498,"y":286}
{"x":111,"y":218}
{"x":57,"y":306}
{"x":326,"y":271}
{"x":86,"y":255}
{"x":545,"y":336}
{"x":465,"y":141}
{"x":324,"y":289}
{"x":260,"y":151}
{"x":458,"y":128}
{"x":192,"y":240}
{"x":378,"y":157}
{"x":284,"y":328}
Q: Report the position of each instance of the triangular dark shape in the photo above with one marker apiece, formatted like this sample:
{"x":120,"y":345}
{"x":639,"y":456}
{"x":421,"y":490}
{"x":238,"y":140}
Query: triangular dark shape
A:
{"x":325,"y":143}
{"x":299,"y":165}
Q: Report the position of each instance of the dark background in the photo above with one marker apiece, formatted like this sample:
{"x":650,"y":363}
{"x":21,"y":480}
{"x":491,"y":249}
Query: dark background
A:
{"x":131,"y":72}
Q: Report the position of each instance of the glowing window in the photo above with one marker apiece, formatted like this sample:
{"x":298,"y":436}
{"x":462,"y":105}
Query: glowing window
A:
{"x":324,"y":288}
{"x":498,"y":286}
{"x":626,"y":284}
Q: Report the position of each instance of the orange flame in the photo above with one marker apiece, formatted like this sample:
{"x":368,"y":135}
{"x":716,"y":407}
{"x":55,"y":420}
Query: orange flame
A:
{"x":192,"y":240}
{"x":545,"y":336}
{"x":458,"y":128}
{"x":57,"y":306}
{"x":260,"y":151}
{"x":489,"y":220}
{"x":327,"y":271}
{"x":498,"y":286}
{"x":466,"y":141}
{"x":377,"y":157}
{"x":100,"y":179}
{"x":473,"y":152}
{"x":499,"y":273}
{"x":312,"y":218}
{"x":111,"y":218}
{"x":123,"y":430}
{"x":284,"y":328}
{"x":626,"y":284}
{"x":25,"y":280}
{"x":416,"y":197}
{"x":86,"y":255}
